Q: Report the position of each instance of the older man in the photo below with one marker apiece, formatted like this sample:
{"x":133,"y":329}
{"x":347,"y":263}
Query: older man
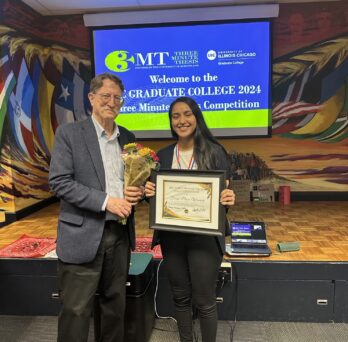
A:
{"x":93,"y":248}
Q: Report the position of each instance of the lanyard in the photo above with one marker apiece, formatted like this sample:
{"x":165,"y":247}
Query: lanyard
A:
{"x":177,"y":155}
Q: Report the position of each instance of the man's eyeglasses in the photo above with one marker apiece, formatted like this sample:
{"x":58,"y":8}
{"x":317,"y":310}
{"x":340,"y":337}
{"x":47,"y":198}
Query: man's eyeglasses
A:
{"x":107,"y":97}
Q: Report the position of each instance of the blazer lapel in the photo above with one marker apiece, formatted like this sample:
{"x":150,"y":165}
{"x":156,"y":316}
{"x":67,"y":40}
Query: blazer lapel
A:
{"x":167,"y":157}
{"x":122,"y":139}
{"x":91,"y":139}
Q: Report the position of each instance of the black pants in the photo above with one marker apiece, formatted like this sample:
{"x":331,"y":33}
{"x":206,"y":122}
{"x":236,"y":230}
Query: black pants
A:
{"x":193,"y":262}
{"x":106,"y":274}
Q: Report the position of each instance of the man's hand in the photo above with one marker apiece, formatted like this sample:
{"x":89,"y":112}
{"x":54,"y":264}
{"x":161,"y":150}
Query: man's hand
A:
{"x":119,"y":206}
{"x":133,"y":194}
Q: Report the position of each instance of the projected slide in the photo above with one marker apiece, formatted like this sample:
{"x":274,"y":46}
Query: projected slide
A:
{"x":225,"y":67}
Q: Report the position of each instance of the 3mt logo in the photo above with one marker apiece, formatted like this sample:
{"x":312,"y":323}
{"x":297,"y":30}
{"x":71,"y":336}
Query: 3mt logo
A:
{"x":121,"y":60}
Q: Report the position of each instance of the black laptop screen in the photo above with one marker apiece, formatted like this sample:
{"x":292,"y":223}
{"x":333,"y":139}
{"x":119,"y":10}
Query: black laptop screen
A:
{"x":250,"y":232}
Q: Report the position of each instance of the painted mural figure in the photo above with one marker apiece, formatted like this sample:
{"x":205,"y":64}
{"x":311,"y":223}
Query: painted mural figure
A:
{"x":324,"y":24}
{"x":296,"y":27}
{"x":93,"y":247}
{"x":192,"y":260}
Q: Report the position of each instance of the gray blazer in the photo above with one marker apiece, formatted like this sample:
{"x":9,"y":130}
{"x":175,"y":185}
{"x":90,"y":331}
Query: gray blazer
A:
{"x":77,"y":178}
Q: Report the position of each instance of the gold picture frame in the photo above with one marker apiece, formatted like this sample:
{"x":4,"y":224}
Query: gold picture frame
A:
{"x":188,"y":201}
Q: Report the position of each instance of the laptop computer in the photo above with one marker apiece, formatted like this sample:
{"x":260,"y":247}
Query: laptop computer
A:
{"x":248,"y":239}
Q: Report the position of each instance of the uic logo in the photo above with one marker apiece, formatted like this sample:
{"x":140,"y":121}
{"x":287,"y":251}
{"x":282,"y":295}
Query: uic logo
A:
{"x":211,"y":55}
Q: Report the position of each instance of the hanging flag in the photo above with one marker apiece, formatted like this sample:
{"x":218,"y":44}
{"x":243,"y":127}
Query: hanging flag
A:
{"x":20,"y":104}
{"x":53,"y":75}
{"x":80,"y":98}
{"x":85,"y":74}
{"x":337,"y":132}
{"x":64,"y":93}
{"x":71,"y":96}
{"x":292,"y":113}
{"x":41,"y":123}
{"x":7,"y":83}
{"x":310,"y":97}
{"x":45,"y":96}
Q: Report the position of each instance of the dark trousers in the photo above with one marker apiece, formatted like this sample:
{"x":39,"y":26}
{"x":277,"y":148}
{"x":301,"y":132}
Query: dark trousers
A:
{"x":192,"y":263}
{"x":106,"y":274}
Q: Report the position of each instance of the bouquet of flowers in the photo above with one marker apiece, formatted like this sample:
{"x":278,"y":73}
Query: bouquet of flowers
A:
{"x":138,"y":163}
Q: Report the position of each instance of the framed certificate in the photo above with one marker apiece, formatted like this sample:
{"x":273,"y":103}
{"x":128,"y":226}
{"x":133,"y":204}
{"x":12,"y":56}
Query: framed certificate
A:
{"x":188,"y":201}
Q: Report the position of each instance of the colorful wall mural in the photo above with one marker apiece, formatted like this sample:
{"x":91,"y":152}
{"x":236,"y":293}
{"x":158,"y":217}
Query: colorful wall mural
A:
{"x":45,"y":70}
{"x":44,"y":81}
{"x":309,"y":146}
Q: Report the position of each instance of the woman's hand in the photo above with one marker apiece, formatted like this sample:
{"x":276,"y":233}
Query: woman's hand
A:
{"x":133,"y":194}
{"x":150,"y":189}
{"x":227,"y":197}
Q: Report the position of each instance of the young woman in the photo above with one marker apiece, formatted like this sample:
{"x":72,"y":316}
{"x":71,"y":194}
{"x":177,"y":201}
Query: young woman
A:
{"x":192,"y":260}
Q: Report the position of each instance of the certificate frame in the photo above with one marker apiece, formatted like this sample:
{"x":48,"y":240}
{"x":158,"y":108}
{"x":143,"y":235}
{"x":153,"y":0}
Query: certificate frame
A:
{"x":188,"y":201}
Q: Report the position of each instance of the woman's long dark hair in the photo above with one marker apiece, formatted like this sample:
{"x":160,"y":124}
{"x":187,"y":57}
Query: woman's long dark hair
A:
{"x":206,"y":147}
